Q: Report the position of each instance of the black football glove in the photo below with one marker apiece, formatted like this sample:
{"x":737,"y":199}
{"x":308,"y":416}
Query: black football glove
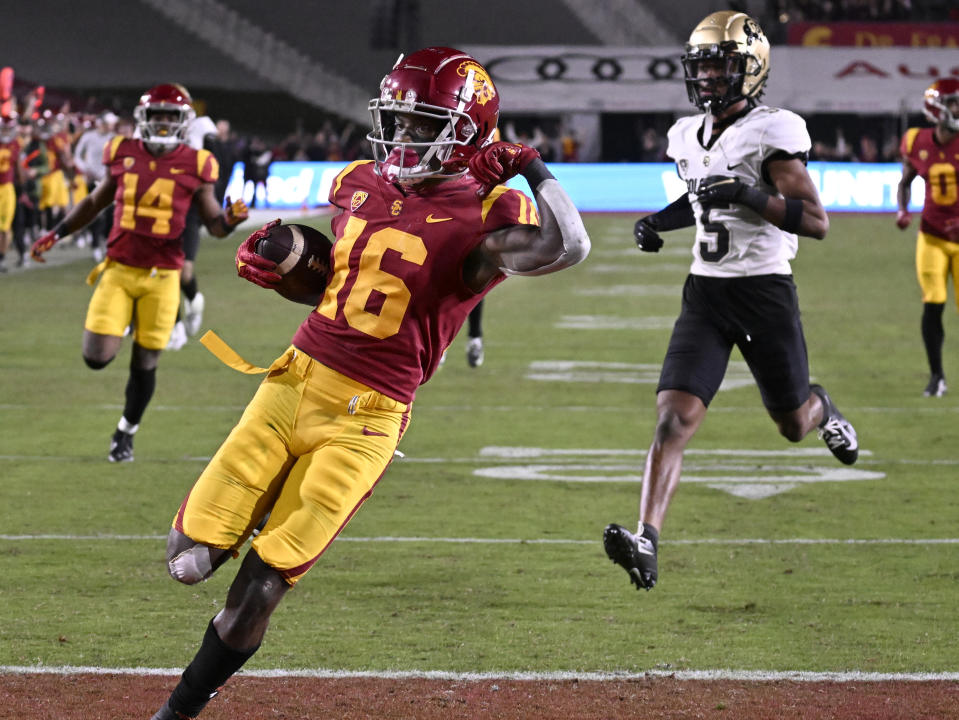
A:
{"x":647,"y":239}
{"x":722,"y":190}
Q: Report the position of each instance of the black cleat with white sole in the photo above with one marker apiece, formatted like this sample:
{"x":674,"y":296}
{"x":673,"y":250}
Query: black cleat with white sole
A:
{"x":837,"y":432}
{"x":635,"y":553}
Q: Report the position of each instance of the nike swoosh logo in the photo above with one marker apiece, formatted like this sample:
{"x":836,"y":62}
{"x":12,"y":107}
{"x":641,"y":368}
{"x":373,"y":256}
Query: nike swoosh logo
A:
{"x":733,"y":167}
{"x":177,"y":171}
{"x":431,"y":219}
{"x":644,"y":547}
{"x":367,"y":431}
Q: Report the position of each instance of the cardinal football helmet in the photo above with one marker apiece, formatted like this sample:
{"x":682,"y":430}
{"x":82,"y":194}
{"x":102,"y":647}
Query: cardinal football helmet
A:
{"x":936,"y":103}
{"x":175,"y":103}
{"x":736,"y":41}
{"x":46,"y":125}
{"x":445,"y":89}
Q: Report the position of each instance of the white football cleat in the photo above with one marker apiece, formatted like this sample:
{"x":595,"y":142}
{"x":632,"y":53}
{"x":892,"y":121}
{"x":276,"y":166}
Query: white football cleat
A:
{"x":474,"y":352}
{"x":178,"y":337}
{"x":193,"y":317}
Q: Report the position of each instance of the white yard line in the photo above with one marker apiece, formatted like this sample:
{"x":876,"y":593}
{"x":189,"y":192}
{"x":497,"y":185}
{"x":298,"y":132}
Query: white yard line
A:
{"x":518,"y":541}
{"x":559,"y":675}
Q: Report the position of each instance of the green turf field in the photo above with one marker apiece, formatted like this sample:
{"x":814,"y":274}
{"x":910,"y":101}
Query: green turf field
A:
{"x":480,"y":551}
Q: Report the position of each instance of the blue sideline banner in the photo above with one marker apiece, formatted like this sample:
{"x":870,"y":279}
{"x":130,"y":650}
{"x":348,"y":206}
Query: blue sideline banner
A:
{"x":604,"y":187}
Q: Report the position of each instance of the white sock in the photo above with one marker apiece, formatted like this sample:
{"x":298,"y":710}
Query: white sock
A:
{"x":125,"y":426}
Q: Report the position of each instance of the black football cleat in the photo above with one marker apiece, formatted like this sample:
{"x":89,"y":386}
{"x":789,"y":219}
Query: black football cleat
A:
{"x":636,"y":554}
{"x":936,"y":387}
{"x":837,"y":432}
{"x":121,"y":447}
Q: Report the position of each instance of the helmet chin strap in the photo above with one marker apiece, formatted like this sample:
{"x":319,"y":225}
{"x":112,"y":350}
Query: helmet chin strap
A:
{"x":708,"y":122}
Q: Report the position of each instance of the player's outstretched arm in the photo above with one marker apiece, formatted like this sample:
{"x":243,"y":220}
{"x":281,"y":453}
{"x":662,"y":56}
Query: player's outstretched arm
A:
{"x":678,"y":214}
{"x":83,"y":213}
{"x":220,"y":223}
{"x":561,"y":241}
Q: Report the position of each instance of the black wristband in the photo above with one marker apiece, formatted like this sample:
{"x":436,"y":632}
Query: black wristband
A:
{"x":60,"y":229}
{"x":536,"y":173}
{"x":794,"y":210}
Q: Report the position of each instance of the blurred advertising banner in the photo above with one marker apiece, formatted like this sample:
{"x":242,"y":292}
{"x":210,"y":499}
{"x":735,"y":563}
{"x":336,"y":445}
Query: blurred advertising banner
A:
{"x":875,"y":34}
{"x":553,"y":79}
{"x":602,"y":187}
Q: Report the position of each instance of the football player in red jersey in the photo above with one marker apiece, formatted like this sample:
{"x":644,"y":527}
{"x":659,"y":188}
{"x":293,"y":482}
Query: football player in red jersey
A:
{"x":933,"y":154}
{"x":11,"y":178}
{"x":423,"y":232}
{"x":54,"y":187}
{"x":152,"y":182}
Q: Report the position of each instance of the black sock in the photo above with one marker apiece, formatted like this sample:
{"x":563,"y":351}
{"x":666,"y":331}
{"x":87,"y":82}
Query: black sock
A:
{"x":476,"y":321}
{"x":212,"y":666}
{"x":189,"y":288}
{"x":140,"y":387}
{"x":933,"y":335}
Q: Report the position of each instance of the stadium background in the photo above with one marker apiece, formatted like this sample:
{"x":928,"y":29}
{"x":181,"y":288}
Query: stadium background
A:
{"x":848,"y":584}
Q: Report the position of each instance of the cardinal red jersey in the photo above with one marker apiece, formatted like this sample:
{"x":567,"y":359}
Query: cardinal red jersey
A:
{"x":9,"y":157}
{"x":938,"y":165}
{"x":56,"y":145}
{"x":396,"y":296}
{"x":152,"y":199}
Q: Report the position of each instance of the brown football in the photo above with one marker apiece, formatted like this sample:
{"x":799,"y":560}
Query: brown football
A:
{"x":302,"y":257}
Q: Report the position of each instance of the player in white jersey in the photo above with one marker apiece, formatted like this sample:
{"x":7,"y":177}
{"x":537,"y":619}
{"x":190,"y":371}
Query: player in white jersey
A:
{"x":749,"y":196}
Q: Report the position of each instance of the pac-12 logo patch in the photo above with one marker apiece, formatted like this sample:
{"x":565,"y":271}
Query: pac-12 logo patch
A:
{"x":359,"y":197}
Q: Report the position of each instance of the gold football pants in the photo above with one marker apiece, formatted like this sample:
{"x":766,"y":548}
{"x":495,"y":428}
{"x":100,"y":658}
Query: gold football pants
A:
{"x":150,"y":297}
{"x":308,"y":450}
{"x":53,"y":191}
{"x":936,"y":259}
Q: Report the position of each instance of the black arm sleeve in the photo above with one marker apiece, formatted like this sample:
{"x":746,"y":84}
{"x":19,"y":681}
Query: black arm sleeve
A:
{"x":678,"y":214}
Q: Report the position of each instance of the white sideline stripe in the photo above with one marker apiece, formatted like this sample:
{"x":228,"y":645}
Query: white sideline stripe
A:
{"x":321,"y":673}
{"x":930,"y":409}
{"x":537,"y":541}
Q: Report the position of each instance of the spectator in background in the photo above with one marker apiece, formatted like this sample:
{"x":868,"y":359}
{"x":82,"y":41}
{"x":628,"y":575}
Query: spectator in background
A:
{"x":868,"y":150}
{"x":534,"y":138}
{"x":257,"y":159}
{"x":317,"y":149}
{"x":224,"y":149}
{"x":125,"y":127}
{"x":568,"y":145}
{"x":652,"y":146}
{"x":88,"y":158}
